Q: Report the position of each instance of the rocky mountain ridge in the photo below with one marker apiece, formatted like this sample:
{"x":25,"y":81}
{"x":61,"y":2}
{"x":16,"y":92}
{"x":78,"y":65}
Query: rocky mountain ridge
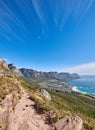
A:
{"x":39,"y":75}
{"x":51,"y":80}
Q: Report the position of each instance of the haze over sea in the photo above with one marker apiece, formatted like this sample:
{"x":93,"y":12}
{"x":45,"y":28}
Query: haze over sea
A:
{"x":85,"y":84}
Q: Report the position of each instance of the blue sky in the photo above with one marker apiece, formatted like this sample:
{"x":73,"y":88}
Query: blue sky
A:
{"x":47,"y":35}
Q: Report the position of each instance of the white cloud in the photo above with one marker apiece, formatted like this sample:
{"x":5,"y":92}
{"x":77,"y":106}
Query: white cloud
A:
{"x":38,"y":10}
{"x":83,"y":69}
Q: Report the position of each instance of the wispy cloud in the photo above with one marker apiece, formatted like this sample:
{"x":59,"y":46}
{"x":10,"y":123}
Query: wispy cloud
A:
{"x":7,"y":16}
{"x":66,"y":8}
{"x":14,"y":19}
{"x":40,"y":13}
{"x":83,"y":69}
{"x":88,"y":5}
{"x":37,"y":8}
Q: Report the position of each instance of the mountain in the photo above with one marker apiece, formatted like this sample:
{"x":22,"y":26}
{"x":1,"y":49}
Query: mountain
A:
{"x":51,"y":80}
{"x":39,"y":75}
{"x":68,"y":76}
{"x":24,"y":104}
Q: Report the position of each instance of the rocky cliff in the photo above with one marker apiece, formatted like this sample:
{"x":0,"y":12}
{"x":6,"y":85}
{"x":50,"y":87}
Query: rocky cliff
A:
{"x":39,"y":75}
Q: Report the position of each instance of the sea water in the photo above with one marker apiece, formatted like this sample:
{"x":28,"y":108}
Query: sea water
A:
{"x":85,"y":84}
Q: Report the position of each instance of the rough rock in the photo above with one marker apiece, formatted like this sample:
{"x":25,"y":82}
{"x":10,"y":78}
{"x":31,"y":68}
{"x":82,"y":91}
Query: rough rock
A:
{"x":14,"y":69}
{"x":46,"y":94}
{"x":24,"y":117}
{"x":69,"y":123}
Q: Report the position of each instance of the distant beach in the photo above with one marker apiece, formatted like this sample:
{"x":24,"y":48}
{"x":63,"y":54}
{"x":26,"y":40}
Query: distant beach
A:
{"x":85,"y":85}
{"x":75,"y":89}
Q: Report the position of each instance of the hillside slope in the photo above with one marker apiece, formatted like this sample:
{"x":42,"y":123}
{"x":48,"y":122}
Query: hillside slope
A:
{"x":10,"y":93}
{"x":24,"y":107}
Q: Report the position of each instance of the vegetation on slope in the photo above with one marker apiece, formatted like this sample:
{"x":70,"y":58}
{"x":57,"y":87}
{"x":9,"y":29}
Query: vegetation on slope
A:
{"x":65,"y":104}
{"x":62,"y":103}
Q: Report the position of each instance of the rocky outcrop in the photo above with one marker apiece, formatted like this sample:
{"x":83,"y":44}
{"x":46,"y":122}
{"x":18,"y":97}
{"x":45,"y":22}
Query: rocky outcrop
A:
{"x":46,"y":94}
{"x":69,"y":123}
{"x":14,"y":69}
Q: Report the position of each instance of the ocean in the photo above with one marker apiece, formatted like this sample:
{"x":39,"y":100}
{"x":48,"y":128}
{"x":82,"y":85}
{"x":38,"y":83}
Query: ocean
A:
{"x":85,"y":85}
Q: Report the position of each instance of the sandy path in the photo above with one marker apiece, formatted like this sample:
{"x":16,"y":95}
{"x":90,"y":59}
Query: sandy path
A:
{"x":25,"y":117}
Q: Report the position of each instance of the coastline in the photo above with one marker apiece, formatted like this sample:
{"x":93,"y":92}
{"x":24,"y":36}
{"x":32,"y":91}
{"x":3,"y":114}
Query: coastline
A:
{"x":75,"y":89}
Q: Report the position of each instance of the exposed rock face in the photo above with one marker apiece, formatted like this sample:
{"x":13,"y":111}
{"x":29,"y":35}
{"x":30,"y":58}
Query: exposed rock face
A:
{"x":14,"y":69}
{"x":39,"y":75}
{"x":69,"y":123}
{"x":46,"y":94}
{"x":51,"y":80}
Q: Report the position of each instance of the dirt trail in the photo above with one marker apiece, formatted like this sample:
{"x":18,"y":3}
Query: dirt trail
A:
{"x":24,"y":117}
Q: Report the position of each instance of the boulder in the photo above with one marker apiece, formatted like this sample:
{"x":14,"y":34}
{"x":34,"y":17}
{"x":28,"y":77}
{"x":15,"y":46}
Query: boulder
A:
{"x":46,"y":94}
{"x":69,"y":123}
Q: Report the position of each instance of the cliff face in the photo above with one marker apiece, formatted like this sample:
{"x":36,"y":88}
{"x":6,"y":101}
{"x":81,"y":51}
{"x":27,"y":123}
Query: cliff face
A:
{"x":39,"y":75}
